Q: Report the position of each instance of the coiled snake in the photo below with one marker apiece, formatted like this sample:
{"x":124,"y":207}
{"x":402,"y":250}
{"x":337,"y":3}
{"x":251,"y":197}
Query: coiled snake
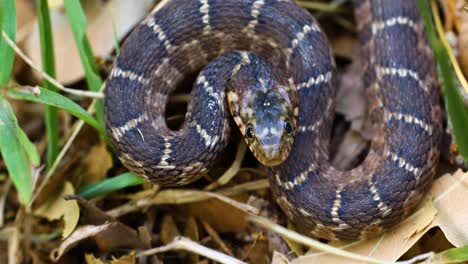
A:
{"x":269,"y":63}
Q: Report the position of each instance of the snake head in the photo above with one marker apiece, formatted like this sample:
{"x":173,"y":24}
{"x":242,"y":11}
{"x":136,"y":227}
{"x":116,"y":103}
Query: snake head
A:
{"x":264,"y":105}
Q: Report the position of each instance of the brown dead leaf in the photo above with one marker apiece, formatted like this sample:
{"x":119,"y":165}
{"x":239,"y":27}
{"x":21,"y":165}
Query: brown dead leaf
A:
{"x":233,"y":219}
{"x":279,"y":258}
{"x":100,"y":16}
{"x":343,"y":45}
{"x":91,"y":259}
{"x":443,"y":207}
{"x":56,"y":207}
{"x":108,"y":237}
{"x":96,"y":164}
{"x":90,"y":213}
{"x":257,"y":251}
{"x":169,"y":229}
{"x":127,"y":259}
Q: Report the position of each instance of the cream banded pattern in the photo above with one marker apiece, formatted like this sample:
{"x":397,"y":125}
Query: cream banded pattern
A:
{"x":217,"y":37}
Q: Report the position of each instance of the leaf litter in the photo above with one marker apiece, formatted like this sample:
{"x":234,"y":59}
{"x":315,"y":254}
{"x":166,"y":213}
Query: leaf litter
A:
{"x":209,"y":220}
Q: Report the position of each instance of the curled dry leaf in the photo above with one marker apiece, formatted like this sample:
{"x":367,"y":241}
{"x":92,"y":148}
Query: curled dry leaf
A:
{"x":444,"y":207}
{"x":100,"y":17}
{"x":106,"y":232}
{"x":56,"y":207}
{"x":108,"y":237}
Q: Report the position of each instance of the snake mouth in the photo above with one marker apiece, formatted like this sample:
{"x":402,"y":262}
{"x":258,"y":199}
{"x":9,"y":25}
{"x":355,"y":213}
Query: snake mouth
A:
{"x":269,"y":156}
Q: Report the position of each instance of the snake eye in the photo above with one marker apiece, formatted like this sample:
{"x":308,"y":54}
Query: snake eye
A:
{"x":249,"y":132}
{"x":288,"y":127}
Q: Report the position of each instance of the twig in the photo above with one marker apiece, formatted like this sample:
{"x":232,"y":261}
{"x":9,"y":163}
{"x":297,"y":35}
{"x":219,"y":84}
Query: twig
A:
{"x":183,"y":243}
{"x":294,"y":236}
{"x":192,"y":196}
{"x":417,"y":258}
{"x":217,"y":239}
{"x":13,"y":246}
{"x":11,"y":43}
{"x":233,"y":169}
{"x":3,"y":197}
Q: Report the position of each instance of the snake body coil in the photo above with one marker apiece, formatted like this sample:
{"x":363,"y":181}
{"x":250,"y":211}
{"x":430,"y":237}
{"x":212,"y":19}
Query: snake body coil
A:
{"x":183,"y":36}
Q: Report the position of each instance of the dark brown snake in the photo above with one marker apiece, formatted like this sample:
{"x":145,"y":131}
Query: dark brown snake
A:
{"x":269,"y":63}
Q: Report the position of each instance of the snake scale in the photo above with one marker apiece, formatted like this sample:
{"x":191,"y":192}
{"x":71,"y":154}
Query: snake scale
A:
{"x":269,"y":65}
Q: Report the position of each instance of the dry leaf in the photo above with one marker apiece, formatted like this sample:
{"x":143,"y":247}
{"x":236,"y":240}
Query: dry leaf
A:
{"x":56,"y":207}
{"x":279,"y":258}
{"x":169,"y":229}
{"x":127,"y":259}
{"x":95,"y":164}
{"x":233,"y":219}
{"x":91,"y":259}
{"x":443,"y":207}
{"x":100,"y":16}
{"x":343,"y":45}
{"x":90,"y":213}
{"x":450,"y":203}
{"x":108,"y":237}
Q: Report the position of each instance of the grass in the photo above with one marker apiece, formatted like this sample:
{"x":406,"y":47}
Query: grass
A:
{"x":77,"y":21}
{"x":48,"y":66}
{"x":110,"y":185}
{"x":8,"y":25}
{"x":18,"y":153}
{"x":53,"y":99}
{"x":456,"y":109}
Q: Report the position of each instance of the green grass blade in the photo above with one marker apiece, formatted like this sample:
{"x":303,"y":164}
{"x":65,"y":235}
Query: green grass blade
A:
{"x":77,"y":21}
{"x":13,"y":152}
{"x":453,"y":255}
{"x":109,"y":185}
{"x":51,"y":98}
{"x":457,"y":112}
{"x":48,"y":66}
{"x":29,"y":147}
{"x":7,"y":24}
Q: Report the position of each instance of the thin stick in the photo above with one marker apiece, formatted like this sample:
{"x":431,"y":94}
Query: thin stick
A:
{"x":183,"y":243}
{"x":11,"y":43}
{"x":233,"y":169}
{"x":418,"y":258}
{"x":311,"y":242}
{"x":3,"y":197}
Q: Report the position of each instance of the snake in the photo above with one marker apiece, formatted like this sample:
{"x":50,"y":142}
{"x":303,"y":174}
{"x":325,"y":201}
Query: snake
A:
{"x":266,"y":69}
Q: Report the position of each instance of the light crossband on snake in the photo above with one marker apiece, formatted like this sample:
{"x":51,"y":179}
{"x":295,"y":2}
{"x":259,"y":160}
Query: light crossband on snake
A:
{"x":267,"y":65}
